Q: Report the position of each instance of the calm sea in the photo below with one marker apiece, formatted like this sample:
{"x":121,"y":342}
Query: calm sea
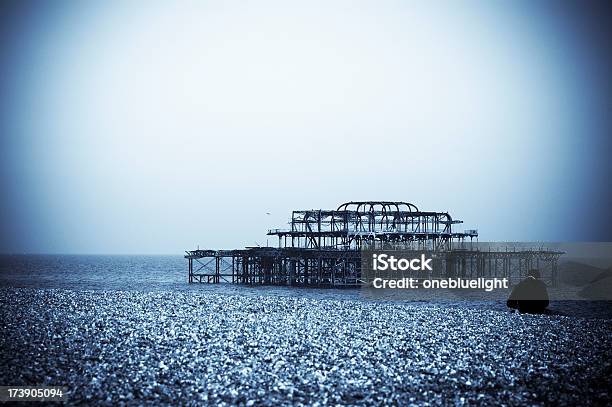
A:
{"x":169,"y":273}
{"x":93,"y":272}
{"x":127,"y":272}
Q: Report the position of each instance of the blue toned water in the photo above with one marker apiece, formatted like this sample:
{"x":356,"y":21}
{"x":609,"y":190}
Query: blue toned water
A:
{"x":93,"y":271}
{"x":128,"y":272}
{"x":169,"y":273}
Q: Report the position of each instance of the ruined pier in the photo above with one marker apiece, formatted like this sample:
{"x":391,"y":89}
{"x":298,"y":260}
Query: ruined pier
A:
{"x":324,"y":248}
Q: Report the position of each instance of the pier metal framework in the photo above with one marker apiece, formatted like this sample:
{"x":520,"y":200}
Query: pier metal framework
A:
{"x":323,"y":248}
{"x":356,"y":223}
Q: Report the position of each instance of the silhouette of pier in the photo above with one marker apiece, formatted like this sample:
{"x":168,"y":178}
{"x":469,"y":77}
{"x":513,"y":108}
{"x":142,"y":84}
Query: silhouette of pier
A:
{"x":323,"y":248}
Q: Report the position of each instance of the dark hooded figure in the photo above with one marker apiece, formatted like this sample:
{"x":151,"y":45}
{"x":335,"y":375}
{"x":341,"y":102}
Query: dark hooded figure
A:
{"x":530,"y":295}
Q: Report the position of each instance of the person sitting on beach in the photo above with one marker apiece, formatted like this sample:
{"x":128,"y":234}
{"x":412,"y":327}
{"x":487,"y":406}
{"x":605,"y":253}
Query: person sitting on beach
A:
{"x":530,"y":295}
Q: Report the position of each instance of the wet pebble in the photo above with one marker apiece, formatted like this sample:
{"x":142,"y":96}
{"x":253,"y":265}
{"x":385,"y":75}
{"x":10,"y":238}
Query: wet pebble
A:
{"x":115,"y":347}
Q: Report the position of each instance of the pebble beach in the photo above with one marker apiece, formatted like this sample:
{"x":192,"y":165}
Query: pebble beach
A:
{"x":129,"y":347}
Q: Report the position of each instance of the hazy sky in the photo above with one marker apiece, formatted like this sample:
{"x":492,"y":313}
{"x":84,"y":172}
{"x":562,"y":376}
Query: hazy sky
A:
{"x":154,"y":127}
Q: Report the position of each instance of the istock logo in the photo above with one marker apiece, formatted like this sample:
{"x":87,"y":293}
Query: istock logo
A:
{"x":384,"y":262}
